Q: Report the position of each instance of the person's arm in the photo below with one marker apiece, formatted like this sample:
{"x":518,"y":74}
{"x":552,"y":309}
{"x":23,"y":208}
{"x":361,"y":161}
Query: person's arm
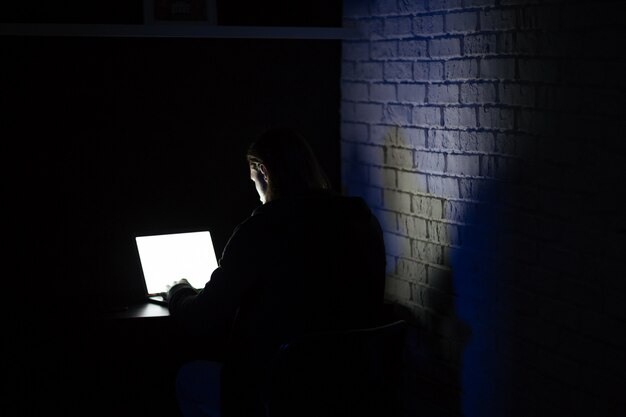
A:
{"x":213,"y":309}
{"x":210,"y":310}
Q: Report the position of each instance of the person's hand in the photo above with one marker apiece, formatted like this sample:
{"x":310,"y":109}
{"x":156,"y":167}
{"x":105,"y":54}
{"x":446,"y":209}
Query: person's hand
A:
{"x":166,"y":294}
{"x":180,"y":281}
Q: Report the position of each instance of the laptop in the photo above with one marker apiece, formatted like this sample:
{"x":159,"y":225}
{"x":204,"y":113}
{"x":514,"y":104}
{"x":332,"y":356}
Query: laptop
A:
{"x":166,"y":258}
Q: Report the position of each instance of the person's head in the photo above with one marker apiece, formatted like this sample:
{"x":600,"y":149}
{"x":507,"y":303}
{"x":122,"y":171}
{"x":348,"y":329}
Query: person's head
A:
{"x":282,"y":164}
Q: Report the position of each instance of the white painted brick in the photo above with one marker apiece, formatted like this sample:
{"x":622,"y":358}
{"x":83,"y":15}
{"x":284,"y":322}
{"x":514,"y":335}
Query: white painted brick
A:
{"x":463,"y":164}
{"x":365,"y":71}
{"x":476,"y":141}
{"x":478,"y":3}
{"x":478,"y":93}
{"x":411,"y":270}
{"x":462,"y":117}
{"x":400,"y":157}
{"x":427,"y":25}
{"x":405,"y":137}
{"x":412,"y":49}
{"x":370,"y":28}
{"x":428,"y":71}
{"x":479,"y":44}
{"x":474,"y":189}
{"x":461,"y":69}
{"x":412,"y":182}
{"x":355,"y":51}
{"x":443,"y":93}
{"x":427,"y":206}
{"x":444,"y":233}
{"x":398,"y":71}
{"x":348,"y":71}
{"x":444,"y":47}
{"x":398,"y":289}
{"x":410,"y":137}
{"x":411,"y":6}
{"x":498,"y":19}
{"x":426,"y":116}
{"x":488,"y":166}
{"x":383,"y":7}
{"x":412,"y":226}
{"x":368,"y":112}
{"x":397,"y":201}
{"x":459,"y":211}
{"x":397,"y":26}
{"x":496,"y":117}
{"x":506,"y":43}
{"x":427,"y":252}
{"x":384,"y":49}
{"x":430,"y":161}
{"x":443,"y":139}
{"x":383,"y":134}
{"x":354,"y":91}
{"x":414,"y":93}
{"x":348,"y":112}
{"x":399,"y":114}
{"x":461,"y":22}
{"x":444,"y":4}
{"x":443,"y":186}
{"x":382,"y":92}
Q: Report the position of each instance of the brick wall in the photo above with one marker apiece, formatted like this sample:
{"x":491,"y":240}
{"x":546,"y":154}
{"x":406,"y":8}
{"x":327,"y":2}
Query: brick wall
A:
{"x":489,"y":138}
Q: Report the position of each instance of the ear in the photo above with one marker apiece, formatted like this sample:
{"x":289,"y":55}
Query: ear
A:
{"x":263,"y":170}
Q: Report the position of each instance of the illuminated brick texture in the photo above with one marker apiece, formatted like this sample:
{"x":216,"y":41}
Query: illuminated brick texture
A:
{"x":489,"y":138}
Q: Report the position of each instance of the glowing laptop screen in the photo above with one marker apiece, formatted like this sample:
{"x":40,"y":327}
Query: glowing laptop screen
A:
{"x":169,"y":257}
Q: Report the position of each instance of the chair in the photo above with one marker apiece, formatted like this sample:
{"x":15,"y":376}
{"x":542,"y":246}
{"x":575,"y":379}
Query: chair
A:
{"x":343,"y":373}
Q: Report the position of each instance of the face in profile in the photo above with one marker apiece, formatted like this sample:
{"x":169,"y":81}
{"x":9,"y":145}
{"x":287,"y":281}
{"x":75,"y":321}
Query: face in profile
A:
{"x":258,"y":174}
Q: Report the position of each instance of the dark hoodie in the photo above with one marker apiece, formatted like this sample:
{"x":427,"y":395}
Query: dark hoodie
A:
{"x":296,"y":265}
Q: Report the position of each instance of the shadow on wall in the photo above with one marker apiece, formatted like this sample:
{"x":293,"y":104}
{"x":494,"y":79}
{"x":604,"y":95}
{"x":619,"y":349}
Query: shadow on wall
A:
{"x":475,"y":271}
{"x":505,"y":281}
{"x":420,"y":283}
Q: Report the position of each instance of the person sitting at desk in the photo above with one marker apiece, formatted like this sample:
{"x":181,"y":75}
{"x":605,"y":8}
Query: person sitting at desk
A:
{"x":308,"y":259}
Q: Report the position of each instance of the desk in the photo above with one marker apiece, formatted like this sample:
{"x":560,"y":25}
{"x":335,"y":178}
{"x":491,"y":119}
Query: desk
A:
{"x":133,"y":310}
{"x":142,"y":310}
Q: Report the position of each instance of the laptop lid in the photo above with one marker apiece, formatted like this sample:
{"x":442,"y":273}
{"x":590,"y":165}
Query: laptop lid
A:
{"x":166,"y":258}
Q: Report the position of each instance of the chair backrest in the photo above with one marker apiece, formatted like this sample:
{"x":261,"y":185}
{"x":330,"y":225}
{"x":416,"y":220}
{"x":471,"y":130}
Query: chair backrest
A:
{"x":343,"y":373}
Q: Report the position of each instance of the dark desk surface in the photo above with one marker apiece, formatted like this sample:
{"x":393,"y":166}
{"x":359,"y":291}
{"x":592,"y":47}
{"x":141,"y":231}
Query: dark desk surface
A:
{"x":142,"y":310}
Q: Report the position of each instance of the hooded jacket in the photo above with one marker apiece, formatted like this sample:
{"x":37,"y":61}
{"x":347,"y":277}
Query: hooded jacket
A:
{"x":296,"y":265}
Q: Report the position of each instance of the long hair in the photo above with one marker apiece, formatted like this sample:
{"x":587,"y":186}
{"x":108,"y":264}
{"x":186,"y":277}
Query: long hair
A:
{"x":291,"y":164}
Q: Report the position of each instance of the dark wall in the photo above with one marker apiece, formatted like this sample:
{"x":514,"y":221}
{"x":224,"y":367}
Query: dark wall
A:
{"x":106,"y":138}
{"x":116,"y":137}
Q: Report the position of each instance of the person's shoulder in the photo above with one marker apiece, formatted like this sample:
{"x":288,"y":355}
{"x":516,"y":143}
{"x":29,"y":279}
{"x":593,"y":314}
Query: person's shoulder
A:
{"x":353,"y":204}
{"x":260,"y":220}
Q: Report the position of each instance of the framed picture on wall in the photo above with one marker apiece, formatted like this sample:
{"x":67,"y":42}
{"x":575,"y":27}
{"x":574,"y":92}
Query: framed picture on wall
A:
{"x":179,"y":12}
